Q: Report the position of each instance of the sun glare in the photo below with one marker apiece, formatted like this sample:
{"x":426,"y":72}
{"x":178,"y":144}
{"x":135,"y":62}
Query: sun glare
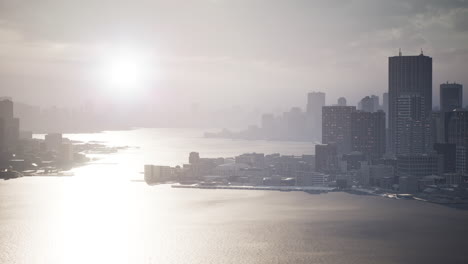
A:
{"x":125,"y":71}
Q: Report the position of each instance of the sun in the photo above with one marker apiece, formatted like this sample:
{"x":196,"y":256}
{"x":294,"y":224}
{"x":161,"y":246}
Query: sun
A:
{"x":125,"y":70}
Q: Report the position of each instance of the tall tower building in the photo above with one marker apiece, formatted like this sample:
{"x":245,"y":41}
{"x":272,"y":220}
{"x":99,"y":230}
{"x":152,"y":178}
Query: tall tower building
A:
{"x":336,"y":126}
{"x":456,"y":132}
{"x":451,"y":96}
{"x":9,"y":126}
{"x":385,"y":107}
{"x":368,"y":133}
{"x":408,"y":74}
{"x":315,"y":102}
{"x":412,"y":128}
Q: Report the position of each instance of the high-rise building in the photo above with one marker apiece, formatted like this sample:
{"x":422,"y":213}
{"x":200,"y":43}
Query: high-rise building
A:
{"x":336,"y":126}
{"x":451,"y":96}
{"x":194,"y":157}
{"x":367,"y":104}
{"x":408,"y":74}
{"x":315,"y":102}
{"x":326,"y":159}
{"x":6,"y":108}
{"x":376,"y":100}
{"x":368,"y":133}
{"x":385,"y":107}
{"x":295,"y":121}
{"x":10,"y":126}
{"x":412,"y":128}
{"x":456,"y":132}
{"x":448,"y":151}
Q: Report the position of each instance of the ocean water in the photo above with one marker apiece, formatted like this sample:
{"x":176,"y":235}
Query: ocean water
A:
{"x":105,"y":215}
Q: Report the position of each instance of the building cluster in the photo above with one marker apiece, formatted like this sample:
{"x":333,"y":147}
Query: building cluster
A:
{"x":404,"y":144}
{"x":20,"y":152}
{"x":252,"y":169}
{"x":408,"y":145}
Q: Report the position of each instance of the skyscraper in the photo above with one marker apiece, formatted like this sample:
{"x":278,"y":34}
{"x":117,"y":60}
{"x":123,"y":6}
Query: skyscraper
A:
{"x":368,"y":133}
{"x":456,"y":132}
{"x":385,"y":107}
{"x":408,"y":74}
{"x":315,"y":102}
{"x":336,"y":126}
{"x":412,"y":127}
{"x":10,"y":126}
{"x":451,"y":96}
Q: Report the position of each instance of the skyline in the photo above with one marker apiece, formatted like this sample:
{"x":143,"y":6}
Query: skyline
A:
{"x":210,"y":49}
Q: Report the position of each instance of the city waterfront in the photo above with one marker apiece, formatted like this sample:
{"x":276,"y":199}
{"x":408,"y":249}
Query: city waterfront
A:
{"x":105,"y":213}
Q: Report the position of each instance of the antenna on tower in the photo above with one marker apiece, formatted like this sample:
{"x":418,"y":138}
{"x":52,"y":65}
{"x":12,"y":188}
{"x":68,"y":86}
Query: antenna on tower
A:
{"x":422,"y":53}
{"x":399,"y":51}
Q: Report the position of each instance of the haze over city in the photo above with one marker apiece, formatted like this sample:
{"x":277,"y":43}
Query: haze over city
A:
{"x":259,"y":54}
{"x":233,"y":131}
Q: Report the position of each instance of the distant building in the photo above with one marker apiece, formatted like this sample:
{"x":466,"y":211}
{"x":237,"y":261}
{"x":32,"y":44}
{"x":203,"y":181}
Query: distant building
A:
{"x":295,"y":121}
{"x":385,"y":107}
{"x":155,"y":174}
{"x":342,"y":101}
{"x":326,"y":159}
{"x":368,"y":104}
{"x":53,"y":141}
{"x":437,"y":127}
{"x":315,"y":102}
{"x":368,"y":133}
{"x":408,"y":74}
{"x":448,"y":151}
{"x":194,"y":157}
{"x":336,"y":126}
{"x":10,"y":127}
{"x":311,"y":178}
{"x":256,"y":160}
{"x":376,"y":100}
{"x":451,"y":96}
{"x":419,"y":165}
{"x":376,"y":175}
{"x":456,"y":132}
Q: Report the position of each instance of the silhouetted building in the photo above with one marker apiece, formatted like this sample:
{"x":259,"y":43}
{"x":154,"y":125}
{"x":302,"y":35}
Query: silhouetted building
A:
{"x":326,"y":159}
{"x":194,"y":157}
{"x":336,"y":126}
{"x":456,"y":132}
{"x":53,"y":141}
{"x":368,"y":133}
{"x":315,"y":102}
{"x":412,"y":127}
{"x":295,"y":124}
{"x":451,"y":96}
{"x":385,"y":107}
{"x":408,"y":74}
{"x":449,"y":156}
{"x":10,"y":126}
{"x":367,"y":104}
{"x":419,"y":165}
{"x":437,"y":127}
{"x":256,"y":160}
{"x":342,"y":101}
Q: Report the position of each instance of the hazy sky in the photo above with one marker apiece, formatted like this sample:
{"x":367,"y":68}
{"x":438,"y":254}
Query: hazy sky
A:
{"x":224,"y":52}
